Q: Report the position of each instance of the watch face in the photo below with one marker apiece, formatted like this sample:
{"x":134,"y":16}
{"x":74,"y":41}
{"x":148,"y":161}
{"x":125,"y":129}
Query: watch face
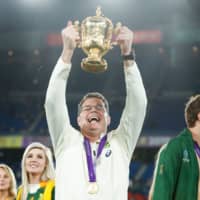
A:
{"x":131,"y":56}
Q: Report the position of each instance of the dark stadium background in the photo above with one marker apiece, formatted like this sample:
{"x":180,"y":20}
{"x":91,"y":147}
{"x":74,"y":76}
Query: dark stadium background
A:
{"x":167,"y":43}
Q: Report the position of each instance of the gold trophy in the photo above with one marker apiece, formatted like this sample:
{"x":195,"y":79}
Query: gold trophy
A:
{"x":96,"y":34}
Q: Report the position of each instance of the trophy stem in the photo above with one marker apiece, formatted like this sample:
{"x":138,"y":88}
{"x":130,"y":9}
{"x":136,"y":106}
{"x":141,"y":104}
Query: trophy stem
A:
{"x":94,"y":66}
{"x":94,"y":54}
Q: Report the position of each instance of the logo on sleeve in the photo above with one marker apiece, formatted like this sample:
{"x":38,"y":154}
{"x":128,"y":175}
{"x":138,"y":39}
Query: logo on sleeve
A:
{"x":186,"y":156}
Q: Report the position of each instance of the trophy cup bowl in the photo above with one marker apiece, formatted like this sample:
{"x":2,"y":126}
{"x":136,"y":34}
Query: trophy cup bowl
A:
{"x":96,"y":35}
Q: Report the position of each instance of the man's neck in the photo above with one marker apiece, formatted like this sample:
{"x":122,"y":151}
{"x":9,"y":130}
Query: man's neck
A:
{"x":195,"y":134}
{"x":93,"y":138}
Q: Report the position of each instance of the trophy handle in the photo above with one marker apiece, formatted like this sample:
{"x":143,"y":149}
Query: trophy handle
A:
{"x":116,"y":31}
{"x":77,"y":28}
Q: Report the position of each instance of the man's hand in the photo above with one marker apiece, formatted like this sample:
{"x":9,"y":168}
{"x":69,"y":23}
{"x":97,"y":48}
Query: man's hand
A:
{"x":70,"y":38}
{"x":125,"y":40}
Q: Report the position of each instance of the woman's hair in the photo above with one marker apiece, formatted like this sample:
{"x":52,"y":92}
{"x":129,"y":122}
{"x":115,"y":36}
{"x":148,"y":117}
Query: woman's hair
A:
{"x":13,"y":186}
{"x":192,"y":109}
{"x":48,"y":173}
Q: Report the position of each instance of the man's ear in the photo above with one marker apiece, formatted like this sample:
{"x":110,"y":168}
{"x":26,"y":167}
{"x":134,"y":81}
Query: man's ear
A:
{"x":108,"y":118}
{"x":78,"y":120}
{"x":198,"y":116}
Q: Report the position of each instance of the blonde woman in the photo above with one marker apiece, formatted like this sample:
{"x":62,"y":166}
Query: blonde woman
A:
{"x":7,"y":183}
{"x":37,"y":174}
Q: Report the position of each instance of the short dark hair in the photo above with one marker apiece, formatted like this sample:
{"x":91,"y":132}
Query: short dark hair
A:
{"x":93,"y":95}
{"x":192,"y":109}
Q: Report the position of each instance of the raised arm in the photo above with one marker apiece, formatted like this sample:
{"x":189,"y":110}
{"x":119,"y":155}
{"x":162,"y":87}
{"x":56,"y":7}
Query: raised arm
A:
{"x":136,"y":101}
{"x":55,"y":102}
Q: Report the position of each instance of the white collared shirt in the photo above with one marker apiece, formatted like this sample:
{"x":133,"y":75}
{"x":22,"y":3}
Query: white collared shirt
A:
{"x":112,"y":169}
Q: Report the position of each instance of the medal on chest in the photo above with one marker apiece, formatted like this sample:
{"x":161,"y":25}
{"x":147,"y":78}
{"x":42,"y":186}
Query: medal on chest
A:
{"x":93,"y":186}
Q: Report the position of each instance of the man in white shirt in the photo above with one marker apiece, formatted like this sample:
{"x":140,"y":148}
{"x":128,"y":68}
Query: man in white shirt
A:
{"x":92,"y":164}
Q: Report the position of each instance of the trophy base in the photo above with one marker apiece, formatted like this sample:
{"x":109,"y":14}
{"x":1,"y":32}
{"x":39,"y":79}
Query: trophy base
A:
{"x":94,"y":66}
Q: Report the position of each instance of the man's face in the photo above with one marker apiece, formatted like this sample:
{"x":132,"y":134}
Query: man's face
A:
{"x":93,"y":118}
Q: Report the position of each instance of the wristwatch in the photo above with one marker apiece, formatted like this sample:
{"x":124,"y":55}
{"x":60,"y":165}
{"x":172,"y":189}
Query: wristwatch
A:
{"x":130,"y":56}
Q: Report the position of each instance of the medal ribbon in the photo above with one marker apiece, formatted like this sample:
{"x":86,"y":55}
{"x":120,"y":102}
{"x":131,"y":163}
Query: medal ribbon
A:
{"x":90,"y":164}
{"x":197,"y":149}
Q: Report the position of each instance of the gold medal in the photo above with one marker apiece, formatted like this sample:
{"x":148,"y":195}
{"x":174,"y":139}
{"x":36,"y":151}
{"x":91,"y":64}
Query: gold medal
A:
{"x":93,"y":188}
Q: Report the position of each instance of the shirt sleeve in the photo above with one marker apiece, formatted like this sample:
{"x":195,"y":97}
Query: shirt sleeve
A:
{"x":55,"y":106}
{"x":165,"y":174}
{"x":134,"y":111}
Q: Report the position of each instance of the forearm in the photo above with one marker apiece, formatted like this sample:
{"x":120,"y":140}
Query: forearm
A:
{"x":128,"y":63}
{"x":66,"y":55}
{"x":135,"y":107}
{"x":55,"y":103}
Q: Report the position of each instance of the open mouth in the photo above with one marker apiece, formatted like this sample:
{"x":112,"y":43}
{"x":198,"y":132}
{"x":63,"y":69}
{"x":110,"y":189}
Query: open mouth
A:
{"x":93,"y":119}
{"x":33,"y":165}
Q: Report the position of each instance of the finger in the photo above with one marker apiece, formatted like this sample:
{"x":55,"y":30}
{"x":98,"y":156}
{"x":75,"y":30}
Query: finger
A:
{"x":123,"y":29}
